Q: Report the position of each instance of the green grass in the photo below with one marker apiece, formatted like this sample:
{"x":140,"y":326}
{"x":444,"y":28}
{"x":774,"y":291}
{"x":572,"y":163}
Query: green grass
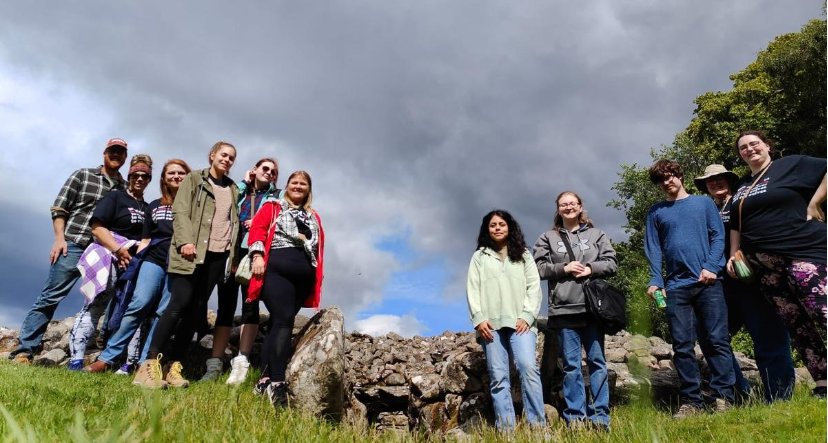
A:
{"x":54,"y":405}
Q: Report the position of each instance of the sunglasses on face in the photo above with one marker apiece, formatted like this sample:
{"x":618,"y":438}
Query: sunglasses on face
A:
{"x":139,"y":176}
{"x":267,"y":169}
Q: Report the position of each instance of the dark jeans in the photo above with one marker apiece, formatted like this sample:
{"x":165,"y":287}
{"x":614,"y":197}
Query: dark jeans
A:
{"x":189,"y":295}
{"x":705,"y":304}
{"x":62,"y":277}
{"x":771,"y":342}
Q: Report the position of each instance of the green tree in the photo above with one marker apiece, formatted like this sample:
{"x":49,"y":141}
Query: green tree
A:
{"x":783,"y":93}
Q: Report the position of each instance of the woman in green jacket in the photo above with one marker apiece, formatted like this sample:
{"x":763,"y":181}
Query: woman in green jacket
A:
{"x":205,"y":237}
{"x":503,"y":292}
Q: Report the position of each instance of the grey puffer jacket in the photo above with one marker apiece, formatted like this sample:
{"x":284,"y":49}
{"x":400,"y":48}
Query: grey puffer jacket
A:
{"x":591,"y":247}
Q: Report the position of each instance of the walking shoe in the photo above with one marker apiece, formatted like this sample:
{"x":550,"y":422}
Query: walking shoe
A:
{"x":98,"y":366}
{"x":277,"y":393}
{"x":126,"y":369}
{"x":214,"y":368}
{"x":149,"y":374}
{"x":75,"y":365}
{"x":22,"y":358}
{"x":819,"y":392}
{"x":686,"y":410}
{"x":261,"y":386}
{"x":238,"y":373}
{"x":174,"y":377}
{"x":721,"y":405}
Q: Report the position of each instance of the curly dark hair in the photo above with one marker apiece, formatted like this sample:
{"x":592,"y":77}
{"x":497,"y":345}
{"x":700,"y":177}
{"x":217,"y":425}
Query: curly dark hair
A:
{"x":663,"y":169}
{"x":515,"y":241}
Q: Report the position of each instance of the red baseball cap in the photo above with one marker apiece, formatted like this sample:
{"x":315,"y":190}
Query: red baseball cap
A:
{"x":116,"y":142}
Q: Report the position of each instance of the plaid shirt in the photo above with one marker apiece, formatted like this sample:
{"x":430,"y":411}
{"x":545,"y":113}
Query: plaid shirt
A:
{"x":77,"y":199}
{"x":287,"y":233}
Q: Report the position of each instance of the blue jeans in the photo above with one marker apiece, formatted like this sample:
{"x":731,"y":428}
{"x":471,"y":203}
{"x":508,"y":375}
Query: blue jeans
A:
{"x":771,"y":342}
{"x":522,"y":348}
{"x":151,"y":296}
{"x":577,"y":408}
{"x":62,"y":277}
{"x":705,"y":304}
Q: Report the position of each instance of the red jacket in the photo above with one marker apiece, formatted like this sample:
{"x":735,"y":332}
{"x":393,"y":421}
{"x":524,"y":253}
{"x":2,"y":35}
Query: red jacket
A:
{"x":262,"y":229}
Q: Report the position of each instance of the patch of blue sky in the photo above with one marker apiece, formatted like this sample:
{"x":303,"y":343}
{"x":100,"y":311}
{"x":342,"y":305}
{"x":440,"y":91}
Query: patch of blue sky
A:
{"x":418,"y":289}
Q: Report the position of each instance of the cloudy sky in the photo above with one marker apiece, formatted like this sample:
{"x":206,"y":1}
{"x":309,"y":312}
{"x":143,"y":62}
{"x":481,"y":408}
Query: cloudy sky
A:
{"x":414,"y":118}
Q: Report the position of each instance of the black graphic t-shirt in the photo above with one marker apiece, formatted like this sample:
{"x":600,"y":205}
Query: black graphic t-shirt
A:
{"x":724,"y":212}
{"x":158,"y":225}
{"x":121,"y":214}
{"x":774,"y":214}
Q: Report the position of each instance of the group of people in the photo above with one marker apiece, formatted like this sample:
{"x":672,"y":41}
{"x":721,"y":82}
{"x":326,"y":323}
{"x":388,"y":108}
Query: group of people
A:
{"x":149,"y":269}
{"x":770,"y":218}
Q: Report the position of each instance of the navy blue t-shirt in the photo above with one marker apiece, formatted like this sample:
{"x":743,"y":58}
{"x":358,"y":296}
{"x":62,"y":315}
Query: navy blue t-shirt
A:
{"x":774,"y":215}
{"x":158,"y":224}
{"x":121,"y":213}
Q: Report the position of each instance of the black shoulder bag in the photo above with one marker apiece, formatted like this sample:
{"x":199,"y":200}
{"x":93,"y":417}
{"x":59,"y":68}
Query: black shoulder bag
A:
{"x":606,"y":303}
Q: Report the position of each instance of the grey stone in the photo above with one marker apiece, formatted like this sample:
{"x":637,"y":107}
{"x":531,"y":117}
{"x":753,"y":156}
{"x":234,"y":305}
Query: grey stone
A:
{"x":552,"y":415}
{"x":617,"y":355}
{"x":8,"y":339}
{"x":661,"y":351}
{"x":51,"y":358}
{"x":426,"y":385}
{"x":316,"y":370}
{"x":395,"y":379}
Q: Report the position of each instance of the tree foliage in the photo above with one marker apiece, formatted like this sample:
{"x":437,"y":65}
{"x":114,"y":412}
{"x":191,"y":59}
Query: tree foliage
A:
{"x":782,"y":92}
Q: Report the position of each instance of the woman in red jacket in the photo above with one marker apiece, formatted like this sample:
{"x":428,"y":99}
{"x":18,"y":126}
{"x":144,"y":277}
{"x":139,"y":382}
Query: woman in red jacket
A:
{"x":287,"y":242}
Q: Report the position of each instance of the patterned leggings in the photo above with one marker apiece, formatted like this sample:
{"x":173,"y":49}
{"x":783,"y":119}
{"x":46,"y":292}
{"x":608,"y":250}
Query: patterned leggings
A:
{"x":797,"y":290}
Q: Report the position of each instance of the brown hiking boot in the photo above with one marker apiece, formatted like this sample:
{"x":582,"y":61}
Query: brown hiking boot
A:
{"x":174,"y":377}
{"x":686,"y":410}
{"x":22,"y":358}
{"x":149,"y":375}
{"x":98,"y":366}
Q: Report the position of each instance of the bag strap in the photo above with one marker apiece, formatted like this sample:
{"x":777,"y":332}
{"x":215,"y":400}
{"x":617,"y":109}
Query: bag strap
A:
{"x":744,"y":197}
{"x":565,"y":240}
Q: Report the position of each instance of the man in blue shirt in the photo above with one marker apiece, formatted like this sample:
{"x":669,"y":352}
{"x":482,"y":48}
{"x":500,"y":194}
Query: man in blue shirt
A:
{"x":686,"y":232}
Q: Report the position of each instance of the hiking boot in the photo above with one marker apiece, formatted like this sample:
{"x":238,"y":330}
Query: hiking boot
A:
{"x":126,"y":369}
{"x":214,"y":369}
{"x":686,"y":410}
{"x":22,"y":358}
{"x":238,"y":373}
{"x":277,"y":393}
{"x":75,"y":365}
{"x":819,"y":392}
{"x":98,"y":366}
{"x":174,"y":377}
{"x":261,"y":386}
{"x":149,"y":374}
{"x":721,"y":405}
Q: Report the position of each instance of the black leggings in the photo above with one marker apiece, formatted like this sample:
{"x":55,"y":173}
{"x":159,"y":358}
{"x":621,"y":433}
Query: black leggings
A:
{"x":187,"y":302}
{"x":288,"y":280}
{"x":228,"y":295}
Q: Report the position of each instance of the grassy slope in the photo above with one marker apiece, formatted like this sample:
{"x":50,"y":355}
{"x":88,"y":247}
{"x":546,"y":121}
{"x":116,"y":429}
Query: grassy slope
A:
{"x":54,"y":405}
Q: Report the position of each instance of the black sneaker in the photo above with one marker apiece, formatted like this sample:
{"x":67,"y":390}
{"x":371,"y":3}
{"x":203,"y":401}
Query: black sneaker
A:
{"x":819,"y":392}
{"x":277,"y":392}
{"x":260,"y":388}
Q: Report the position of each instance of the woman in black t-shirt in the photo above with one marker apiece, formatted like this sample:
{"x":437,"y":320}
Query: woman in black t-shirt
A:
{"x":152,"y":291}
{"x":775,"y":221}
{"x":118,"y":218}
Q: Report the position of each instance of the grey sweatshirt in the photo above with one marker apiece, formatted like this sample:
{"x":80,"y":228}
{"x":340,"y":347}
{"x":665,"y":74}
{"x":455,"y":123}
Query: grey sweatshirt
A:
{"x":591,"y":247}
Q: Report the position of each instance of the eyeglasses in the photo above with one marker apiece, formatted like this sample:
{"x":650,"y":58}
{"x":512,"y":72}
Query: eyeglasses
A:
{"x":569,"y":205}
{"x":752,"y":144}
{"x":140,"y":176}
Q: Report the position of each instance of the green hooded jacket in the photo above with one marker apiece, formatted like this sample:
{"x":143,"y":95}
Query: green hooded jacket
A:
{"x":193,"y":211}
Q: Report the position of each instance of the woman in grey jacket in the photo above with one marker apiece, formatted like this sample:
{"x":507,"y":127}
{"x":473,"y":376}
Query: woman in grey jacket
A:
{"x":593,"y":257}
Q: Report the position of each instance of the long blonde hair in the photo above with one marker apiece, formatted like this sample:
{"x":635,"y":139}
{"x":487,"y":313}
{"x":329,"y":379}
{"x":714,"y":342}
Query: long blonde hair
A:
{"x":307,"y":204}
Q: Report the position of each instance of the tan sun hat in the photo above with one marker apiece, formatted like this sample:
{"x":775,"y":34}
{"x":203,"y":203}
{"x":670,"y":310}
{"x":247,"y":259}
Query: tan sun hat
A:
{"x":712,"y":171}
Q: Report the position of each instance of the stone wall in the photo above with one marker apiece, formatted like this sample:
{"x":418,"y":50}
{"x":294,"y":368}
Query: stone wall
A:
{"x":396,"y":384}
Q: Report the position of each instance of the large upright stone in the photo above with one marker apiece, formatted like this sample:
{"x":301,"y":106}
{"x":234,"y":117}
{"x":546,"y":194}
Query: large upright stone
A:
{"x":316,"y":372}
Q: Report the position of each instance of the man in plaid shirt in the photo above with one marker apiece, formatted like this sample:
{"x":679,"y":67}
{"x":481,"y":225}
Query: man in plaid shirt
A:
{"x":71,"y":215}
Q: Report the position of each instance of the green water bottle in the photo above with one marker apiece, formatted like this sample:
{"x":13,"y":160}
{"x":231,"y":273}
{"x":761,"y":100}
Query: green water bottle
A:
{"x":660,"y":301}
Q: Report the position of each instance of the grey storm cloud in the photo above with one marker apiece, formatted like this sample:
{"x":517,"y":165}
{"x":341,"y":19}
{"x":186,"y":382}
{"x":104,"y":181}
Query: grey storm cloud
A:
{"x":419,"y":115}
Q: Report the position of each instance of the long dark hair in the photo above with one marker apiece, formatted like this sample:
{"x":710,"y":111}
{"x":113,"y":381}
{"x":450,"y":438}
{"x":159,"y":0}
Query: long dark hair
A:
{"x":515,"y":242}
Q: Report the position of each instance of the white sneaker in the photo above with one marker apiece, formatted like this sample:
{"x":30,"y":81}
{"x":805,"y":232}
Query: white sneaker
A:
{"x":214,"y":368}
{"x":238,"y":373}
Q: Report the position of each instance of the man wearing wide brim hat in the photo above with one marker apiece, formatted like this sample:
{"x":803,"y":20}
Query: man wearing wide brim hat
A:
{"x":717,"y":175}
{"x":771,"y":342}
